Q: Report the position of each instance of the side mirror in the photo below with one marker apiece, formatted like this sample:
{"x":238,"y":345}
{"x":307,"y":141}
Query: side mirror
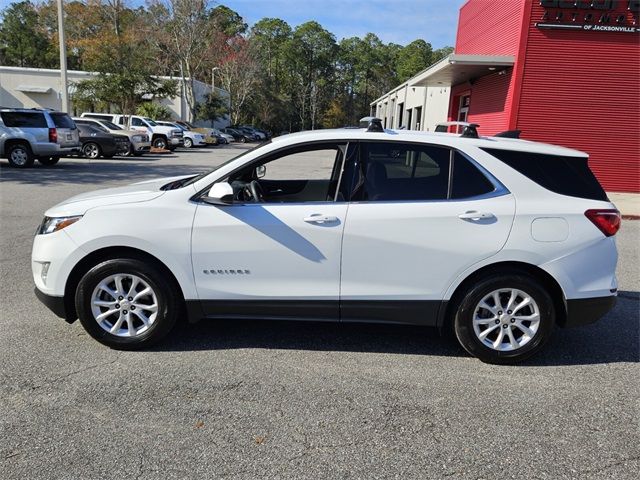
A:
{"x":261,"y":171}
{"x":220,"y":194}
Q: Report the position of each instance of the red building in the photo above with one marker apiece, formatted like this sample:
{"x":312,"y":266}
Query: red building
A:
{"x":574,"y":77}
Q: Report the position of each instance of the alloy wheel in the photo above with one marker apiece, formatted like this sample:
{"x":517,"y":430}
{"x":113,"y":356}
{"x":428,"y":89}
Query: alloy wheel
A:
{"x":19,"y":156}
{"x":506,"y":319}
{"x":91,"y":150}
{"x":124,"y":305}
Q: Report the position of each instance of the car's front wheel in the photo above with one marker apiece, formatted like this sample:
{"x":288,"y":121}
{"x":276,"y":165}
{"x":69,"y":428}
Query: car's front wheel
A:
{"x":505,"y":319}
{"x":188,"y":143}
{"x":160,"y":142}
{"x":127,"y":304}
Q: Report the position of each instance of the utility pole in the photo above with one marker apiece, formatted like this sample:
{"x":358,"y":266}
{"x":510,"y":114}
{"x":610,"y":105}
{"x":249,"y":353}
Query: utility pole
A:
{"x":63,"y":58}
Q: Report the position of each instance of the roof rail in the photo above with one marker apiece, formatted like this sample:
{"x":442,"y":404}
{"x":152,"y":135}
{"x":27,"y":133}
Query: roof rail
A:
{"x":509,"y":134}
{"x":471,"y":131}
{"x":372,"y":124}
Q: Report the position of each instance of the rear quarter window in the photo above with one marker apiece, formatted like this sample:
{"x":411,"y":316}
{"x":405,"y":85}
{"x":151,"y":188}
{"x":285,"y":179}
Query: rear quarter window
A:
{"x":24,"y":119}
{"x":62,"y":120}
{"x":564,"y":175}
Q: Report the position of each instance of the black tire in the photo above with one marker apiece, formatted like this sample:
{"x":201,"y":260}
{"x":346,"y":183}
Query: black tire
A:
{"x":167,"y":300}
{"x":188,"y":143}
{"x":243,"y":140}
{"x":48,"y":161}
{"x":20,"y":155}
{"x":160,"y":142}
{"x":466,"y":309}
{"x":91,"y":150}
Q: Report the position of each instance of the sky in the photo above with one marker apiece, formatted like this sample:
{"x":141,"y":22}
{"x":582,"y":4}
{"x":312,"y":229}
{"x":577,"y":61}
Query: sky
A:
{"x":398,"y":21}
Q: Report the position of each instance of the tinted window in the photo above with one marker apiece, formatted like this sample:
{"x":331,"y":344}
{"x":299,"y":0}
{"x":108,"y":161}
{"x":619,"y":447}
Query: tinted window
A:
{"x":88,"y":129}
{"x":111,"y":125}
{"x":396,"y":171}
{"x":24,"y":119}
{"x":565,"y":175}
{"x":62,"y":120}
{"x":468,"y":181}
{"x":136,"y":122}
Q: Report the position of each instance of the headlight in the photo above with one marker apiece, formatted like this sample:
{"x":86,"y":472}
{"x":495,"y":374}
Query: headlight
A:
{"x":53,"y":224}
{"x":137,"y":138}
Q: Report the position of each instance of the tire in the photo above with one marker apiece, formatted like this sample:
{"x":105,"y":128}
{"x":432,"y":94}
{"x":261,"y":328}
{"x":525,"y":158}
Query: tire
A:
{"x":91,"y":150}
{"x":20,"y":155}
{"x":188,"y":143}
{"x":160,"y":142}
{"x":494,"y":335}
{"x":94,"y":286}
{"x":48,"y":161}
{"x":243,"y":140}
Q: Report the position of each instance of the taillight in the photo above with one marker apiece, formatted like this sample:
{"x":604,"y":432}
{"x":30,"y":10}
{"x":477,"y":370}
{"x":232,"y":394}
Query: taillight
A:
{"x":608,"y":221}
{"x":53,"y":135}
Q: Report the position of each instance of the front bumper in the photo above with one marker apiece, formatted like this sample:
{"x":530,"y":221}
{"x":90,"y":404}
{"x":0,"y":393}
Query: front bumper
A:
{"x":55,"y":304}
{"x":177,"y":141}
{"x":584,"y":311}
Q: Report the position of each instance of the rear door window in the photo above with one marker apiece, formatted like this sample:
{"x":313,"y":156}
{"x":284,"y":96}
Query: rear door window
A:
{"x":391,"y":171}
{"x":564,"y":175}
{"x":24,"y":119}
{"x":467,"y":180}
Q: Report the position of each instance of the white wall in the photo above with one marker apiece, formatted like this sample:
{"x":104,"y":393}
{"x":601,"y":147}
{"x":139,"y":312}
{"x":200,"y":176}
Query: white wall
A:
{"x":434,"y":102}
{"x":14,"y":78}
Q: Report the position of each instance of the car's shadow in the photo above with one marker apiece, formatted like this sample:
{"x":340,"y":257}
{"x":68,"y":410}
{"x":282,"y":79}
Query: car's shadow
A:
{"x":613,"y":339}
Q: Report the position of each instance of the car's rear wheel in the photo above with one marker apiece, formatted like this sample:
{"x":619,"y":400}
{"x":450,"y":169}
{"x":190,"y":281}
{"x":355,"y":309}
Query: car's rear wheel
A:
{"x":505,"y":319}
{"x":48,"y":161}
{"x":188,"y":143}
{"x":127,"y":304}
{"x":91,"y":150}
{"x":20,"y":155}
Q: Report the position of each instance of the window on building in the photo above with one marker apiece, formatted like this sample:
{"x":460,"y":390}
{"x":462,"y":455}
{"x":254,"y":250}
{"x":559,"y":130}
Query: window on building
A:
{"x":409,"y":114}
{"x":418,"y":120}
{"x":400,"y":114}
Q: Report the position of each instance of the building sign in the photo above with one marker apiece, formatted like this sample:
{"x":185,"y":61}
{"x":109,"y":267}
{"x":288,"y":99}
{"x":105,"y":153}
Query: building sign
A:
{"x":591,"y":15}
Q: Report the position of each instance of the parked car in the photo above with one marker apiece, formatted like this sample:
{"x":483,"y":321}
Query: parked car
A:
{"x":250,"y":133}
{"x":238,"y":135}
{"x":98,"y":143}
{"x":161,"y":136}
{"x":221,"y":135}
{"x":139,"y":141}
{"x":191,"y":139}
{"x":497,"y":239}
{"x":262,"y":134}
{"x":30,"y":134}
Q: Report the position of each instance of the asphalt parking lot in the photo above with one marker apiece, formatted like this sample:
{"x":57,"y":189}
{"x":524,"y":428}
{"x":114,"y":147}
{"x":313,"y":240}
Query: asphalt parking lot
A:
{"x":264,"y":399}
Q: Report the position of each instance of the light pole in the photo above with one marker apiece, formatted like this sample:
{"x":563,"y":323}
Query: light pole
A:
{"x":213,"y":79}
{"x":63,"y":58}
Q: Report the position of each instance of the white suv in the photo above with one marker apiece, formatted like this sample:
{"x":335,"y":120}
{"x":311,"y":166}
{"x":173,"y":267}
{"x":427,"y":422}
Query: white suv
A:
{"x":496,"y":238}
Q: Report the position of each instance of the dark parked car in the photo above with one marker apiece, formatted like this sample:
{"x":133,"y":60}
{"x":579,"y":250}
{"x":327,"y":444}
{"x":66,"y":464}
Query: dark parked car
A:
{"x":97,"y":143}
{"x":239,"y":136}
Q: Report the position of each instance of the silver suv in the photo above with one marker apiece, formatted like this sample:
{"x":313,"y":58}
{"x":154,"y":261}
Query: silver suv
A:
{"x":30,"y":134}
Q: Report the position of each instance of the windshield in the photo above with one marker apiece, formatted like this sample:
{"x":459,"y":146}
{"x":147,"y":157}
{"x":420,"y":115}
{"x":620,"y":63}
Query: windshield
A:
{"x":190,"y":180}
{"x":111,"y":125}
{"x":150,"y":122}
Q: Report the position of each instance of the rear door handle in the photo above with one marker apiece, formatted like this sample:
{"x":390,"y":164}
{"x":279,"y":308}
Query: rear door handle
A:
{"x":319,"y":218}
{"x":475,"y":215}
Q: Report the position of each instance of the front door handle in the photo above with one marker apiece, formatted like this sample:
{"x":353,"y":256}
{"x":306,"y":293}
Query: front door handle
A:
{"x":475,"y":215}
{"x":320,"y":219}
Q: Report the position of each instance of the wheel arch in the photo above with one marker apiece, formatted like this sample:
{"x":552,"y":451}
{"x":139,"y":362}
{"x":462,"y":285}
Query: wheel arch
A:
{"x":15,"y":141}
{"x":543,"y":277}
{"x":101,"y":255}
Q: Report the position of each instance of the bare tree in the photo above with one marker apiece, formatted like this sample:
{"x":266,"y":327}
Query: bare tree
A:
{"x":183,"y":27}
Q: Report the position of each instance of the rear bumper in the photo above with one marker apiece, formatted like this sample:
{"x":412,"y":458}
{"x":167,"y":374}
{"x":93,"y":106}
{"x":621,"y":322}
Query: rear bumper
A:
{"x":584,"y":311}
